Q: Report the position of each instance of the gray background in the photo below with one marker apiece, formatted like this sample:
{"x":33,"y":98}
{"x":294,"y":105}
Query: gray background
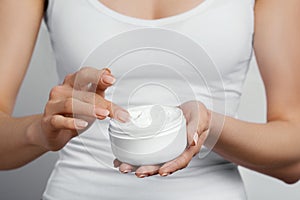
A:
{"x":28,"y":183}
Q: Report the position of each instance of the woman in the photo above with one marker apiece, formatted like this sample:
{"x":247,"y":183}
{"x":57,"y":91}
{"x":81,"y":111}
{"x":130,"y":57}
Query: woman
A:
{"x":271,"y":148}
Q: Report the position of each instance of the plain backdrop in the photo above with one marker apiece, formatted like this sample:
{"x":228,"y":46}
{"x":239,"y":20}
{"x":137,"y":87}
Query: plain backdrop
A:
{"x":28,"y":183}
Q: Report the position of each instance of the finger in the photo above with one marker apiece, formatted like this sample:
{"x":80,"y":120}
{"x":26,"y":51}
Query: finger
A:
{"x":118,"y":112}
{"x":198,"y":123}
{"x":57,"y":92}
{"x":202,"y":138}
{"x":85,"y":96}
{"x":92,"y":98}
{"x":117,"y":163}
{"x":190,"y":109}
{"x":102,"y":107}
{"x":191,"y":128}
{"x":113,"y":110}
{"x":179,"y":163}
{"x":60,"y":122}
{"x":126,"y":168}
{"x":75,"y":107}
{"x":86,"y":76}
{"x":145,"y":171}
{"x":85,"y":103}
{"x":191,"y":114}
{"x":184,"y":159}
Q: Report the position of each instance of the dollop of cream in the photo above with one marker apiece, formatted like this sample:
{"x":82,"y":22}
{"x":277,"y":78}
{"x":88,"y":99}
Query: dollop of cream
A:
{"x":148,"y":121}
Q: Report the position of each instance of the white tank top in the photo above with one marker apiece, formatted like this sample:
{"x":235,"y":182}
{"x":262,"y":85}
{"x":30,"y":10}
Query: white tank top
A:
{"x":78,"y":28}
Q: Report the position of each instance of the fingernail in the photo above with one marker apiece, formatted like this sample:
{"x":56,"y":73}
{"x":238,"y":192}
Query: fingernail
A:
{"x":195,"y":139}
{"x":108,"y":79}
{"x":80,"y":123}
{"x":101,"y":112}
{"x":165,"y":174}
{"x":107,"y":69}
{"x":123,"y":116}
{"x":142,"y":176}
{"x":126,"y":171}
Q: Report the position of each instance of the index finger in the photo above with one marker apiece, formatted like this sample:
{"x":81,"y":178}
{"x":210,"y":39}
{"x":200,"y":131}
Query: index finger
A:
{"x":88,"y":76}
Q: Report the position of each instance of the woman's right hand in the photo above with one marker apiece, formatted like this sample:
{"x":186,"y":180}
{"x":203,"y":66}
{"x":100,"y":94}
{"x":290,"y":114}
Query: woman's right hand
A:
{"x":73,"y":106}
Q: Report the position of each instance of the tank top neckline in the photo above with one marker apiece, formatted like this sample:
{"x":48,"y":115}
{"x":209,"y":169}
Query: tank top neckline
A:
{"x":149,"y":22}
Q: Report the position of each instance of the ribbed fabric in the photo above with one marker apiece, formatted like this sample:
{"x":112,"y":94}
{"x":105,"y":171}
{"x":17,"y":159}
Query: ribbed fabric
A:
{"x":224,"y":30}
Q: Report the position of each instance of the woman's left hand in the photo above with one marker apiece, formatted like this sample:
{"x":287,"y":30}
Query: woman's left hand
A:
{"x":197,"y":118}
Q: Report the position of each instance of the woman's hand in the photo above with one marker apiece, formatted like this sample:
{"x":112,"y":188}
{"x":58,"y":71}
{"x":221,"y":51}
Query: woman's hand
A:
{"x":74,"y":105}
{"x":198,"y":119}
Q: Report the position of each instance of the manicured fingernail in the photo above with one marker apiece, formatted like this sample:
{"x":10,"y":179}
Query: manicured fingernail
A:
{"x":101,"y":112}
{"x":108,"y":79}
{"x":123,"y":116}
{"x":80,"y":123}
{"x":107,"y":69}
{"x":165,"y":174}
{"x":126,"y":171}
{"x":142,"y":176}
{"x":195,"y":139}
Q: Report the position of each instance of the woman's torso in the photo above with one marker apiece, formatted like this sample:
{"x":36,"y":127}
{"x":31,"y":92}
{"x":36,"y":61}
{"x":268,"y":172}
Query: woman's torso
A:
{"x":84,"y":170}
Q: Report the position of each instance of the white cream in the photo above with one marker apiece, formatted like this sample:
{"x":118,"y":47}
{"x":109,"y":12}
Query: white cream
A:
{"x":155,"y":134}
{"x":147,"y":121}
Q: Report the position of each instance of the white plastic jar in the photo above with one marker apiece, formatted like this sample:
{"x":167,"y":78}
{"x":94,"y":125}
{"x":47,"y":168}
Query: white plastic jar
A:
{"x":154,"y":135}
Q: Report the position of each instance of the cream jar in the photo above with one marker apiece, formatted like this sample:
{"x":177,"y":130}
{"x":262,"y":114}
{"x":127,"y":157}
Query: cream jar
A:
{"x":154,"y":135}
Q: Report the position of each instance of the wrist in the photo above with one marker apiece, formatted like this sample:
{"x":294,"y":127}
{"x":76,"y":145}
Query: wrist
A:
{"x":215,"y":128}
{"x":33,"y":134}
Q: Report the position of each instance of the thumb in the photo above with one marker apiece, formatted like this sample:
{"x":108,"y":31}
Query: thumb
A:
{"x":191,"y":128}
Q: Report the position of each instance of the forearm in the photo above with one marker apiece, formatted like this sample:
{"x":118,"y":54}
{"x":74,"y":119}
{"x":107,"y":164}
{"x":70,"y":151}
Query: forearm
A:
{"x":16,"y":148}
{"x":269,"y":148}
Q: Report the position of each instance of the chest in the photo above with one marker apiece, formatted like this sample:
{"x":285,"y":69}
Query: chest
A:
{"x":222,"y":28}
{"x":150,"y":9}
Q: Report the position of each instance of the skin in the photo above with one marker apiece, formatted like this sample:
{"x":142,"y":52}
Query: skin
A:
{"x":272,"y":148}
